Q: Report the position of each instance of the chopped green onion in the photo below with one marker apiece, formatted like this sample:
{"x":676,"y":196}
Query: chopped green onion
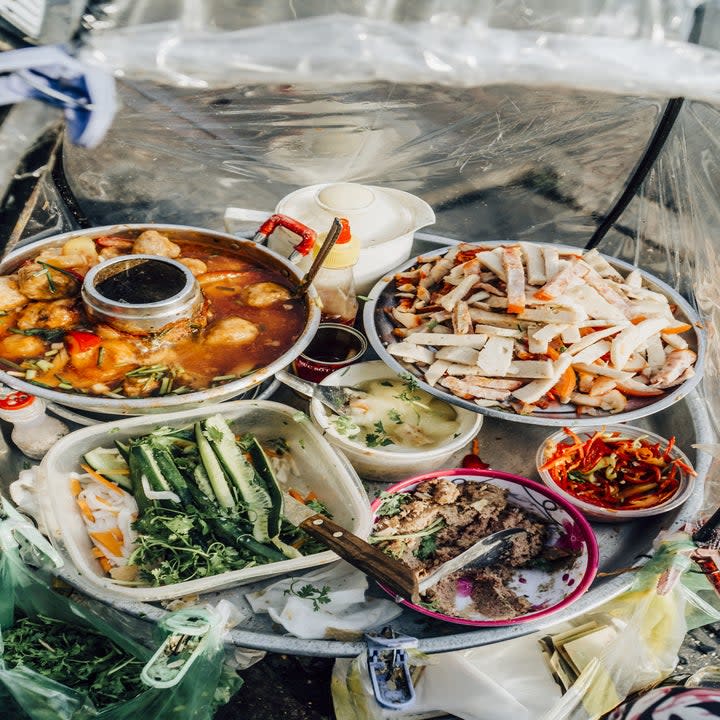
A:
{"x":222,"y":378}
{"x":30,"y":374}
{"x":101,"y":354}
{"x":44,"y":365}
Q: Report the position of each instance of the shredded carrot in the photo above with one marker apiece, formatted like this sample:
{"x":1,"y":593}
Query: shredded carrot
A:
{"x":108,"y":539}
{"x":75,"y":487}
{"x":105,"y":564}
{"x":85,"y":509}
{"x":297,"y":495}
{"x":312,"y":495}
{"x":612,"y":471}
{"x":683,"y":327}
{"x":97,"y":476}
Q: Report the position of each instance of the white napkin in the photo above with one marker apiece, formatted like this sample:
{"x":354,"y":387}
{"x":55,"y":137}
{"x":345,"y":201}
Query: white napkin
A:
{"x":334,"y":604}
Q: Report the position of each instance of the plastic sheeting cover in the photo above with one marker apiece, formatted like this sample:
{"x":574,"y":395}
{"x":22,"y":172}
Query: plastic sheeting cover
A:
{"x":517,"y":120}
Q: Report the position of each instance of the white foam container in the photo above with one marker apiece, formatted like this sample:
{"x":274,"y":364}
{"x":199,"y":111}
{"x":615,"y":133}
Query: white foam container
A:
{"x":319,"y":469}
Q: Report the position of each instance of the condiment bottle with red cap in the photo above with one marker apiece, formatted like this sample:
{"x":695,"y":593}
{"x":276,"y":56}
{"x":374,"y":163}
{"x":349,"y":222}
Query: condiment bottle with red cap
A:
{"x":334,"y":281}
{"x":34,"y":431}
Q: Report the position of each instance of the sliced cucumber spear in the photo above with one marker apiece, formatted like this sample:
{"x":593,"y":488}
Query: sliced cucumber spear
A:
{"x":213,"y":469}
{"x":267,"y":476}
{"x":110,"y":464}
{"x":241,"y":473}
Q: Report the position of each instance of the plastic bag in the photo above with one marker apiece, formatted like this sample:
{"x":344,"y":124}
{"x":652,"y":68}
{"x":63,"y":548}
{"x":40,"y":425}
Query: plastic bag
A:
{"x":668,"y":598}
{"x":192,"y":692}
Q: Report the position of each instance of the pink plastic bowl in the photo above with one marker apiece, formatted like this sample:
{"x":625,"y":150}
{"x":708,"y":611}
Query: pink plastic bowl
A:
{"x":548,"y":590}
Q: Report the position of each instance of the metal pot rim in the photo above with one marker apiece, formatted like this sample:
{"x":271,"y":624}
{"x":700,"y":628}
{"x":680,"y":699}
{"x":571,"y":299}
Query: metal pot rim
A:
{"x":143,"y":406}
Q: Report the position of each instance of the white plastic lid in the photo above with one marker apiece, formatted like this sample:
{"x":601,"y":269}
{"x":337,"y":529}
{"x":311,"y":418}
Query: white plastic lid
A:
{"x":20,"y":406}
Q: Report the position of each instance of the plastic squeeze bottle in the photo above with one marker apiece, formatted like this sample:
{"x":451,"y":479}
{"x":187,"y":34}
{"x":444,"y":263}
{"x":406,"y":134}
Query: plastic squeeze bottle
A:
{"x":34,"y":432}
{"x":334,"y":281}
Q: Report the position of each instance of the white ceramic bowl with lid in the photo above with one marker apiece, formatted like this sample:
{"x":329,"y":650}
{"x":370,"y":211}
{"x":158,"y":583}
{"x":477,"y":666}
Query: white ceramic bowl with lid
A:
{"x":391,"y":463}
{"x":383,"y":219}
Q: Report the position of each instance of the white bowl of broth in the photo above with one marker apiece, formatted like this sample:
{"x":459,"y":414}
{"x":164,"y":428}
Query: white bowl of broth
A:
{"x":394,"y":429}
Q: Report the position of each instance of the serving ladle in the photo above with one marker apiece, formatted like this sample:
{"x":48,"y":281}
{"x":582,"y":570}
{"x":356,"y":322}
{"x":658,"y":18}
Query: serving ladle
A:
{"x":333,"y":397}
{"x":330,"y":239}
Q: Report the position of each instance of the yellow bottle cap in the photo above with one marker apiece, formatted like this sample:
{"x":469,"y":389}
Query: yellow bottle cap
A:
{"x":346,"y":250}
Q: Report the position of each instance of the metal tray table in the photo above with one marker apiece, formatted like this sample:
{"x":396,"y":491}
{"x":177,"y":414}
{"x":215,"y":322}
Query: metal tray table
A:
{"x":507,"y":445}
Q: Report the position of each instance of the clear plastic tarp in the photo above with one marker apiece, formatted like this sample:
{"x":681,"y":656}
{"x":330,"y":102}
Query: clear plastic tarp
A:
{"x":513,"y":119}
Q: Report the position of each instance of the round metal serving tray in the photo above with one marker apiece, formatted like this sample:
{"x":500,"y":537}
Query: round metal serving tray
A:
{"x":507,"y":446}
{"x":379,"y":327}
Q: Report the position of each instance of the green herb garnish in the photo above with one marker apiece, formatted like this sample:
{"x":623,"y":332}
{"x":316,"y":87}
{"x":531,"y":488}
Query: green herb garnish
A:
{"x":394,"y":416}
{"x":49,"y":334}
{"x":345,"y":426}
{"x":391,"y":503}
{"x":319,"y":596}
{"x":427,"y":547}
{"x":77,"y":657}
{"x":379,"y":437}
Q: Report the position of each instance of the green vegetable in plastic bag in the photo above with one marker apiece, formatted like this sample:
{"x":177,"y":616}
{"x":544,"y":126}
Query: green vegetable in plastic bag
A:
{"x":186,"y":678}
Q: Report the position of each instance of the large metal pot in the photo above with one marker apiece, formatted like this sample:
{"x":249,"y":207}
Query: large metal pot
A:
{"x":140,"y":406}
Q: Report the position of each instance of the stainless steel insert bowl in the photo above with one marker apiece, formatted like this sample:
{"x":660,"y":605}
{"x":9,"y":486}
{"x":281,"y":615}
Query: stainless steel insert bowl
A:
{"x":140,"y":406}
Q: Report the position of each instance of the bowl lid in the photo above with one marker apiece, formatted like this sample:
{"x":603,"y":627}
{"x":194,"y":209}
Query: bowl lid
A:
{"x":375,"y":214}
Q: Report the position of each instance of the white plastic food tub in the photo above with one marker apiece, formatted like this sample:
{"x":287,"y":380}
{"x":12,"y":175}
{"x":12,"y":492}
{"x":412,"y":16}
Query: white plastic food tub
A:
{"x":319,"y":469}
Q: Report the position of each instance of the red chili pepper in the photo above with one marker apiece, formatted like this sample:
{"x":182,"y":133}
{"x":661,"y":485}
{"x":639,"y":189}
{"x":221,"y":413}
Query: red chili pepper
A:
{"x":79,"y":341}
{"x":643,"y":473}
{"x":472,"y":460}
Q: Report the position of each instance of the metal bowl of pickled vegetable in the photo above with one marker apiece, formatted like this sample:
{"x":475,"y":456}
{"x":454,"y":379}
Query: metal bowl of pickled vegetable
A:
{"x":614,"y":473}
{"x":537,"y":333}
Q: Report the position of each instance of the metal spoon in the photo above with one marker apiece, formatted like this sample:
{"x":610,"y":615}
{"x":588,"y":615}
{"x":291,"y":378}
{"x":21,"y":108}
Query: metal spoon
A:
{"x":334,"y":397}
{"x":484,"y":552}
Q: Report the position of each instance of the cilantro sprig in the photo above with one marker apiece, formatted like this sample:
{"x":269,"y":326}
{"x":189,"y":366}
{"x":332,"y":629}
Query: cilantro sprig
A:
{"x":318,"y":596}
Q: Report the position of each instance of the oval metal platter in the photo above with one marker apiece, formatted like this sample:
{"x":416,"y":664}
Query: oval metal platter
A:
{"x":379,"y":327}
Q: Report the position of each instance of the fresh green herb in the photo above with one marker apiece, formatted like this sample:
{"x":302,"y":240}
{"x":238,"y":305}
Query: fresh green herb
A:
{"x":175,"y":546}
{"x":432,"y":324}
{"x":410,"y":393}
{"x":300,"y":417}
{"x":432,"y":605}
{"x":301,"y":443}
{"x":147,"y":370}
{"x":319,"y":507}
{"x":345,"y":426}
{"x":48,"y":334}
{"x":427,"y":547}
{"x":319,"y":596}
{"x":394,"y":416}
{"x":62,"y":271}
{"x":379,"y":437}
{"x":77,"y":657}
{"x":391,"y":503}
{"x":431,"y":529}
